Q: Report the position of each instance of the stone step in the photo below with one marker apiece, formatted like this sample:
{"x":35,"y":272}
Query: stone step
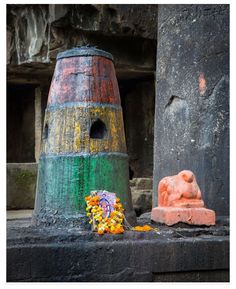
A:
{"x":19,"y":214}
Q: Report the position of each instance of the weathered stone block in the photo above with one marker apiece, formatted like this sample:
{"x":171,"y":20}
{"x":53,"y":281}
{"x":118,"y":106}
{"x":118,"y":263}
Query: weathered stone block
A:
{"x":143,"y":183}
{"x":21,"y":185}
{"x":142,"y":200}
{"x":141,"y":191}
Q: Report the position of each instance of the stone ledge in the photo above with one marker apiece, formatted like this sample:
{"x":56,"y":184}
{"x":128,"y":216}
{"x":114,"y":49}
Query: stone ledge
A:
{"x":71,"y":255}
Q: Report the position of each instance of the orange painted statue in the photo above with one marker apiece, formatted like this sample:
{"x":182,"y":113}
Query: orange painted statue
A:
{"x":180,"y":200}
{"x":180,"y":190}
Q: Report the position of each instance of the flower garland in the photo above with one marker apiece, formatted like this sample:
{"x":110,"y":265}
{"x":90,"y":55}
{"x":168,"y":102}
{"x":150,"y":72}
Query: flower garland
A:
{"x":112,"y":224}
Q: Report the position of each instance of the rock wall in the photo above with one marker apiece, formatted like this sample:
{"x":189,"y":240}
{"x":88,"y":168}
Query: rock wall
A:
{"x":36,"y":33}
{"x":192,"y":99}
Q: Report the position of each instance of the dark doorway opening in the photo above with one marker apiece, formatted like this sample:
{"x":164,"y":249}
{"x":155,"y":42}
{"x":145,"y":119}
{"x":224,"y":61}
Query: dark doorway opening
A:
{"x":20,"y":123}
{"x":138,"y":104}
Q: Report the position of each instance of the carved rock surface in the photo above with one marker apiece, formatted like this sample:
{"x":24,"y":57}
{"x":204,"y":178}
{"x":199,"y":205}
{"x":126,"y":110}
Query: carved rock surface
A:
{"x":36,"y":33}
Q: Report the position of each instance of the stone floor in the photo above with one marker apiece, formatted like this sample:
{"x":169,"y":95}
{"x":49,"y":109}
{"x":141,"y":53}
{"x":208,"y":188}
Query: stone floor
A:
{"x":177,"y":253}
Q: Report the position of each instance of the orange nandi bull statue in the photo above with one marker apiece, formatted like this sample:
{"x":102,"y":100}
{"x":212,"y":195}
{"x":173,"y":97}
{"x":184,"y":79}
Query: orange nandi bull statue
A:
{"x":180,"y":200}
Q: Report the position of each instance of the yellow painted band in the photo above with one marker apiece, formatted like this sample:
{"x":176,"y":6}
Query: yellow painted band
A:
{"x":69,"y":127}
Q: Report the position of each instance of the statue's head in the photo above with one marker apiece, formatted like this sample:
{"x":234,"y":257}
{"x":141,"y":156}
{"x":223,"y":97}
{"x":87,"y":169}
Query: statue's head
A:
{"x":180,"y":190}
{"x":187,"y":176}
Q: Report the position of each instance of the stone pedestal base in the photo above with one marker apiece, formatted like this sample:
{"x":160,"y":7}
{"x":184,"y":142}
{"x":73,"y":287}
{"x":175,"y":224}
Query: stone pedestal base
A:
{"x":192,"y":216}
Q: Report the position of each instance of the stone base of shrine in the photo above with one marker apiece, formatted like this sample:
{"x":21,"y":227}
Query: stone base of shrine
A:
{"x":192,"y":216}
{"x":178,"y":253}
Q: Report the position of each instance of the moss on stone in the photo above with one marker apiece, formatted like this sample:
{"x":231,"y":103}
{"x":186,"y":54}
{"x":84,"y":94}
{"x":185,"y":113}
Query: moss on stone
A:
{"x":24,"y":179}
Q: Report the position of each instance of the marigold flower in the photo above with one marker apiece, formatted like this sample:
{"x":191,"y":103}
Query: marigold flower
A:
{"x":143,"y":228}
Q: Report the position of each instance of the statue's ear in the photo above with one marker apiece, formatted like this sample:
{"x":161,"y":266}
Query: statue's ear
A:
{"x":187,"y":176}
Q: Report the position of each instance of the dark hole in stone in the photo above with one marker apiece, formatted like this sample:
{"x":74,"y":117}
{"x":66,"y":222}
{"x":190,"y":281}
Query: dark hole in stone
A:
{"x":131,"y":173}
{"x":98,"y":129}
{"x":45,"y":133}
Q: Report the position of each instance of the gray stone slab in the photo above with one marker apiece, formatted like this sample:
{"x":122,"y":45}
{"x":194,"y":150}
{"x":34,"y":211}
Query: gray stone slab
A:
{"x":50,"y":254}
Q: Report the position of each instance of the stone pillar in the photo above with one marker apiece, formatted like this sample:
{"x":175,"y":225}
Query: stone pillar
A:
{"x":192,"y":99}
{"x":83,"y":140}
{"x":38,"y":122}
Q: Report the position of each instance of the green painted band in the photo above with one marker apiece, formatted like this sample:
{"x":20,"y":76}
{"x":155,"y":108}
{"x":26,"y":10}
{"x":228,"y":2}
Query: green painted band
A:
{"x":64,"y":181}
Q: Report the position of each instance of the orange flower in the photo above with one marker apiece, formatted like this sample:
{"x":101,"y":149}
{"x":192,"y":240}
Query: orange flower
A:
{"x":144,"y":228}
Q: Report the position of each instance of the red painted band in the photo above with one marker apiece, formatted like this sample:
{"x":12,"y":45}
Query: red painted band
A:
{"x":84,"y":79}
